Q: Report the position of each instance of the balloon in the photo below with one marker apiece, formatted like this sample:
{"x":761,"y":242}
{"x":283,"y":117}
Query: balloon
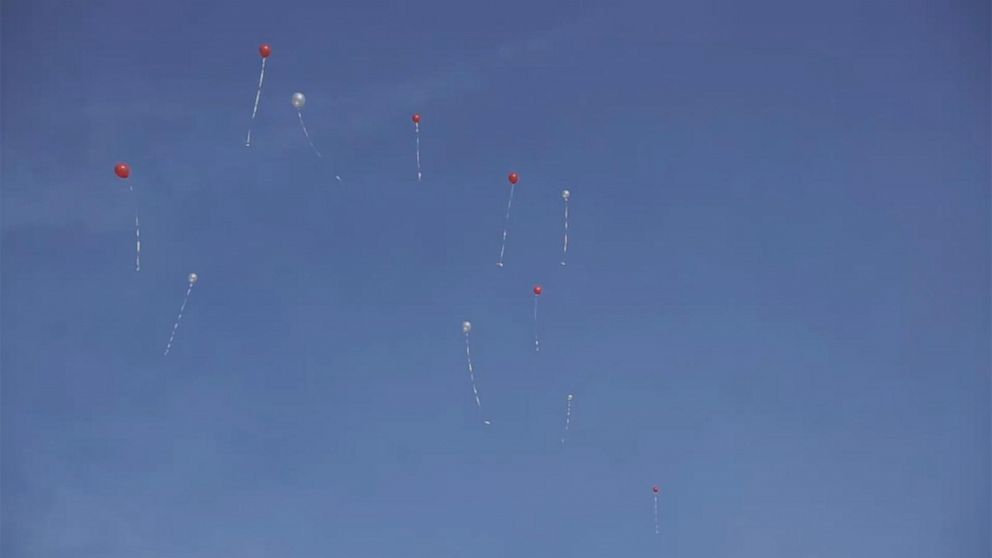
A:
{"x":179,"y":318}
{"x":657,"y":526}
{"x":416,"y":125}
{"x":513,"y":178}
{"x":565,"y":194}
{"x":264,"y":50}
{"x":466,"y":327}
{"x":537,"y":341}
{"x":299,"y":100}
{"x":568,"y":419}
{"x":122,"y":170}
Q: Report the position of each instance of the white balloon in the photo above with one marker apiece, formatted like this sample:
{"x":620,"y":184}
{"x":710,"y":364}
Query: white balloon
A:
{"x":569,"y":396}
{"x":193,"y":278}
{"x":565,"y":194}
{"x":466,"y":327}
{"x":299,"y":100}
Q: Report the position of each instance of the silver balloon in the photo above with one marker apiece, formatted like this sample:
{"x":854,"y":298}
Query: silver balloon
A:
{"x":193,"y":278}
{"x":565,"y":194}
{"x":299,"y":100}
{"x":569,"y":396}
{"x":466,"y":327}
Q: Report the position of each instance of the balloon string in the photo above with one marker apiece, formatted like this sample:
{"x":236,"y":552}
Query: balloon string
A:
{"x":564,"y":250}
{"x":306,"y":133}
{"x":506,"y":225}
{"x":537,"y":343}
{"x":471,"y":373}
{"x":568,"y":417}
{"x":657,"y":530}
{"x":179,"y":318}
{"x":137,"y":231}
{"x":258,"y":95}
{"x":417,"y":125}
{"x":137,"y":240}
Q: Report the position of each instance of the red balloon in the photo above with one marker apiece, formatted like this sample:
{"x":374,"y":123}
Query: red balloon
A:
{"x":655,"y":489}
{"x":415,"y":118}
{"x":513,"y":178}
{"x":122,"y":170}
{"x":537,"y":290}
{"x":265,"y":50}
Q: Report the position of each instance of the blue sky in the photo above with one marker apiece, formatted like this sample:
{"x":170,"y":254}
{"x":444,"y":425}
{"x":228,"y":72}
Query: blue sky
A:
{"x":776,"y":306}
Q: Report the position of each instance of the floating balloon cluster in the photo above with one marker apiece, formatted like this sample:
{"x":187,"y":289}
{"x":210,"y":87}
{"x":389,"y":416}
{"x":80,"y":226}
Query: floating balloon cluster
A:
{"x":298,"y":100}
